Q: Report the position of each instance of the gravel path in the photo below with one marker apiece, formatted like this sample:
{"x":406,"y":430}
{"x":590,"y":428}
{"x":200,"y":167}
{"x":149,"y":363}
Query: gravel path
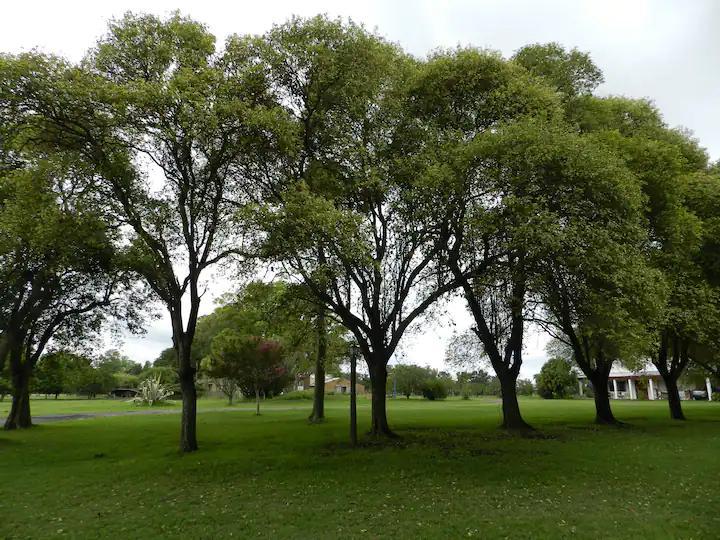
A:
{"x":48,"y":418}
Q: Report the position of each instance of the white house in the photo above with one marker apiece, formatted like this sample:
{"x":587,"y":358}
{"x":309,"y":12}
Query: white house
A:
{"x":646,"y":383}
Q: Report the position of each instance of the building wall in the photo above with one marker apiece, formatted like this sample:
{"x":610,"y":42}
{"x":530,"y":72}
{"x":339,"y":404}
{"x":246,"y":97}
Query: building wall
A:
{"x":307,"y":382}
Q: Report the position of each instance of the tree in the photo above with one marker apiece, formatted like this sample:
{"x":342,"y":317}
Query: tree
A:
{"x":286,"y":313}
{"x":467,"y":102}
{"x":157,"y":92}
{"x":434,"y":388}
{"x":51,"y":374}
{"x":690,"y":259}
{"x":61,"y":271}
{"x":409,"y":379}
{"x":84,"y":377}
{"x":601,"y":290}
{"x":464,"y":350}
{"x":168,"y":375}
{"x":525,"y":387}
{"x":114,"y":361}
{"x":223,"y":370}
{"x":348,"y":222}
{"x":557,"y":379}
{"x":572,"y":73}
{"x":596,"y":288}
{"x":664,"y":160}
{"x":167,"y":358}
{"x":254,"y":363}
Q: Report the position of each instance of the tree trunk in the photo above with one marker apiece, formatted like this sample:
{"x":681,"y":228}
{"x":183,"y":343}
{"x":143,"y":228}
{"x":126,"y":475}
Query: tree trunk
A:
{"x":257,"y":401}
{"x":676,"y":412}
{"x":512,"y":419}
{"x":378,"y":380}
{"x":188,"y":426}
{"x":603,"y":412}
{"x":19,"y":416}
{"x":4,"y":350}
{"x":318,"y":413}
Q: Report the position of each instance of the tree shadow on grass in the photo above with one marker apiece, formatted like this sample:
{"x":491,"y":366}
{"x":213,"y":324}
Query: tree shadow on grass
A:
{"x":447,"y":443}
{"x":6,"y":442}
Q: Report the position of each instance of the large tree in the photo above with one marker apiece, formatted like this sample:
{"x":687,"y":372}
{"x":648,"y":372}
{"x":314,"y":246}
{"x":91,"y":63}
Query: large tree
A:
{"x":490,"y":223}
{"x":596,"y":290}
{"x":349,"y":222}
{"x":61,"y":271}
{"x":661,"y":160}
{"x":172,"y":125}
{"x":690,"y":260}
{"x":664,"y":160}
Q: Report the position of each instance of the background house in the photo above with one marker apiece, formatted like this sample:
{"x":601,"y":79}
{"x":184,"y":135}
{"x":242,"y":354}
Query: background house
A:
{"x":336,"y":385}
{"x":645,"y":383}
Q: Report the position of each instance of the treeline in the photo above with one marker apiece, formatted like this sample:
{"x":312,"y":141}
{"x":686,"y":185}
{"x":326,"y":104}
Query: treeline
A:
{"x":64,"y":372}
{"x":376,"y":182}
{"x":413,"y":380}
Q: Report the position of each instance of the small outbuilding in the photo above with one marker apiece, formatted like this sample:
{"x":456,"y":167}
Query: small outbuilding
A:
{"x":123,"y":392}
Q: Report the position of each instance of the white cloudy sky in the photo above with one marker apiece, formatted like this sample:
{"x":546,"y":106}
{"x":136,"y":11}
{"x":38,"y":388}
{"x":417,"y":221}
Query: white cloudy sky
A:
{"x":665,"y":50}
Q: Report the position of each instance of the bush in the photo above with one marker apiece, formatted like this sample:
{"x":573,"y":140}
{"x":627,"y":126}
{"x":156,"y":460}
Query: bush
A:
{"x":556,"y":379}
{"x":434,"y":389}
{"x":152,"y":392}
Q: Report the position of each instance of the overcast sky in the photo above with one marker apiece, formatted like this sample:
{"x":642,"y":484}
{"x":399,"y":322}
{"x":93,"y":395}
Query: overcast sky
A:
{"x":668,"y":51}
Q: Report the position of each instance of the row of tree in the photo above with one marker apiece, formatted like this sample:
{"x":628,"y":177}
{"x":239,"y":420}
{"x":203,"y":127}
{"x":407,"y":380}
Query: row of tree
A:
{"x":378,"y":182}
{"x":413,"y":380}
{"x":65,"y":372}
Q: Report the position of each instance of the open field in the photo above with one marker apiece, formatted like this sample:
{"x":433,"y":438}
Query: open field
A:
{"x":452,"y":474}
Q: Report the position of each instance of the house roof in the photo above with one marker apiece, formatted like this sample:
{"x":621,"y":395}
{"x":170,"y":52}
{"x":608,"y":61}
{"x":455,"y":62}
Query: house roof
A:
{"x":620,"y":371}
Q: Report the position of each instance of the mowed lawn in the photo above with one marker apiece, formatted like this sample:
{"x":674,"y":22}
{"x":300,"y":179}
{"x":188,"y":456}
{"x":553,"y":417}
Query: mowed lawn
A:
{"x":452,"y":474}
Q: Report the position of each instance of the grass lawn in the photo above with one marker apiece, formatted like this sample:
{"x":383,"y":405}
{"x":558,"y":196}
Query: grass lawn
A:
{"x":453,"y":474}
{"x":42,"y":406}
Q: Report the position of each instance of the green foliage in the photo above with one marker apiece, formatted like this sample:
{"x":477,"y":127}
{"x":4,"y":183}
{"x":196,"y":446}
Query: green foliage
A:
{"x":478,"y":383}
{"x":556,"y":380}
{"x":434,"y":389}
{"x":152,"y":392}
{"x":277,"y":311}
{"x":167,"y":374}
{"x":409,"y":379}
{"x":572,"y":73}
{"x":257,"y":365}
{"x":51,"y":374}
{"x":525,"y":387}
{"x":167,"y":358}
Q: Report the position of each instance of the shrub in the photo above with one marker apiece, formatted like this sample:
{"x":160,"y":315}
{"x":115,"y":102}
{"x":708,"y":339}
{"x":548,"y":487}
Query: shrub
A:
{"x":434,"y":389}
{"x":556,"y":379}
{"x":152,"y":392}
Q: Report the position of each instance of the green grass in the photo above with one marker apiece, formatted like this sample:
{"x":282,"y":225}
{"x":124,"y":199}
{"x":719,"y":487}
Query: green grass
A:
{"x":453,"y":474}
{"x":73,"y":405}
